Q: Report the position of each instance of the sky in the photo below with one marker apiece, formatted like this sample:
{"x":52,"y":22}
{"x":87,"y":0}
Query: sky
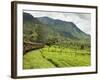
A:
{"x":81,"y":20}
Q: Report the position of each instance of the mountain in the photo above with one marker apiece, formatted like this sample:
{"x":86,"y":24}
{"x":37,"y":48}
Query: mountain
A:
{"x":29,"y":18}
{"x":67,"y":29}
{"x":48,"y":28}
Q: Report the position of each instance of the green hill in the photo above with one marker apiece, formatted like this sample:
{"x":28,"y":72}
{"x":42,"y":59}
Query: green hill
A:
{"x":42,"y":29}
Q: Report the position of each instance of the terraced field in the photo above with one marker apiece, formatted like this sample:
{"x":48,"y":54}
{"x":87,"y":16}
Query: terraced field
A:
{"x":55,"y":56}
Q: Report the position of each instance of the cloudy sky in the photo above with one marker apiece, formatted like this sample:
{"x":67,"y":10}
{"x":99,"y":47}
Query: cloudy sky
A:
{"x":82,"y":20}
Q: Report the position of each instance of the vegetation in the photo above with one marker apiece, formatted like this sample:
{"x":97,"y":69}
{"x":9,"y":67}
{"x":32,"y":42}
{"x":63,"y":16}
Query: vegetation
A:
{"x":55,"y":56}
{"x":50,"y":43}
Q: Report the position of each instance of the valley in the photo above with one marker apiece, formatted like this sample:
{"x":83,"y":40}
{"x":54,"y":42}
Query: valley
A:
{"x":53,"y":43}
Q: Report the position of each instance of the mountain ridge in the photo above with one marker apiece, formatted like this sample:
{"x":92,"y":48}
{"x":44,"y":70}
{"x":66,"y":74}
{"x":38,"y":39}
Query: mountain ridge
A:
{"x":53,"y":27}
{"x":60,"y":23}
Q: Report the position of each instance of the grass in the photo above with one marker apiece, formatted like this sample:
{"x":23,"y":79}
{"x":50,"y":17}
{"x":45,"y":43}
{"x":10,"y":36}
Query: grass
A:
{"x":54,"y":56}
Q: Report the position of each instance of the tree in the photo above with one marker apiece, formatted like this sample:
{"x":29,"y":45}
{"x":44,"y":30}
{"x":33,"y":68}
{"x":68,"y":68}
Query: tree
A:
{"x":40,"y":33}
{"x":82,"y":46}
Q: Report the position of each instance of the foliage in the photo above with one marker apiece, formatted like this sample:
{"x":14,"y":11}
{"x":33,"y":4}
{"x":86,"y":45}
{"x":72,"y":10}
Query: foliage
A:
{"x":56,"y":56}
{"x":45,"y":29}
{"x":65,"y":44}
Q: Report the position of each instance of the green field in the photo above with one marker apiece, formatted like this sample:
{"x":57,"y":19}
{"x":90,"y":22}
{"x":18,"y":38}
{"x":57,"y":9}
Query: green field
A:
{"x":55,"y":56}
{"x":54,"y":43}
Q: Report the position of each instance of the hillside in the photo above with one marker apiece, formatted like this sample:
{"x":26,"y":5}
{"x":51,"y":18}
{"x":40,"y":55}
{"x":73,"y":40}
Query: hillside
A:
{"x":53,"y":43}
{"x":66,"y":29}
{"x":40,"y":29}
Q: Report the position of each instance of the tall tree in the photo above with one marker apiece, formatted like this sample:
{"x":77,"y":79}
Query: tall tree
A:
{"x":40,"y":33}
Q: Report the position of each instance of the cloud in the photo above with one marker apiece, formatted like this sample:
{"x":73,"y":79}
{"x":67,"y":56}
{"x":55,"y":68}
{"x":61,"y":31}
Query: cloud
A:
{"x":82,"y":20}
